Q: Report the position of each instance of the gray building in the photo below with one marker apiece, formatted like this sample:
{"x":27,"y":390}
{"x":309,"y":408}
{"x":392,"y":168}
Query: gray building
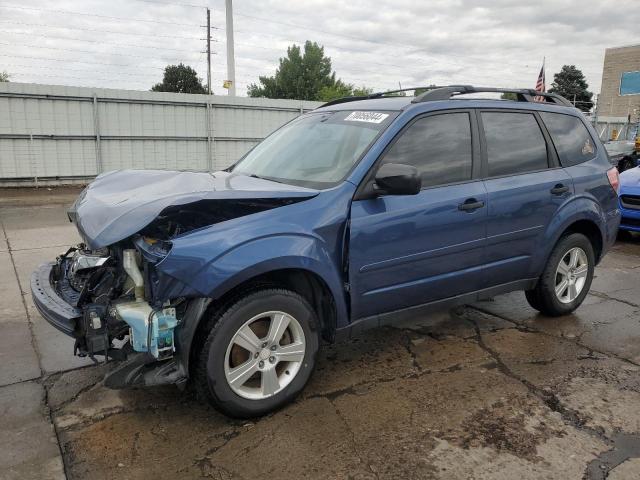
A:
{"x":619,"y":100}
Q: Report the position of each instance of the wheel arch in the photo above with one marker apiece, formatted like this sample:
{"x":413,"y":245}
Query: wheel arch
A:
{"x":587,"y":223}
{"x":308,"y":284}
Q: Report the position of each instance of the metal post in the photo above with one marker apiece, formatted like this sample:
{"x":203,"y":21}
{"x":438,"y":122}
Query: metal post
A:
{"x":208,"y":51}
{"x":96,"y":132}
{"x":209,"y":139}
{"x":231,"y":64}
{"x":32,"y":160}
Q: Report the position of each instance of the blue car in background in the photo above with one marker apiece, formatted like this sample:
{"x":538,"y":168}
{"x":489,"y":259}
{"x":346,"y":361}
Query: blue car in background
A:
{"x":352,"y":216}
{"x":630,"y":200}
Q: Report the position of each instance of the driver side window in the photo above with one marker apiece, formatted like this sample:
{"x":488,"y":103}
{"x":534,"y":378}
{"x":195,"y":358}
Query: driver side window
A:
{"x":439,"y":146}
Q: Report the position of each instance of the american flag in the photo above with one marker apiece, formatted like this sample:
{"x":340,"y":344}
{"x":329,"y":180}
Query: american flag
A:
{"x":540,"y":87}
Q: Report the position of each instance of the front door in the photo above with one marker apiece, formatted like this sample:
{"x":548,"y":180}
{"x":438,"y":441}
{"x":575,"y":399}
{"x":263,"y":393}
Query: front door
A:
{"x":408,"y":250}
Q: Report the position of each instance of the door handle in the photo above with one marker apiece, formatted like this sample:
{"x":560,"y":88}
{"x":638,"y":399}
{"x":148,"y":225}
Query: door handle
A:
{"x":470,"y":204}
{"x":559,"y":189}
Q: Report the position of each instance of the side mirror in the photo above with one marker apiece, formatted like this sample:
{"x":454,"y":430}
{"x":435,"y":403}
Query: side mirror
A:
{"x":398,"y":179}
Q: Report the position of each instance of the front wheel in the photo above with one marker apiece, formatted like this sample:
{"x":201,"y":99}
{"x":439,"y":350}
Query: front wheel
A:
{"x":259,"y":353}
{"x":567,"y":277}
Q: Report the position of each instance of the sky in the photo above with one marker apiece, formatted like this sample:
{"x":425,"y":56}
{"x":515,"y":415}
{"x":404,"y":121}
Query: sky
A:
{"x":379,"y":44}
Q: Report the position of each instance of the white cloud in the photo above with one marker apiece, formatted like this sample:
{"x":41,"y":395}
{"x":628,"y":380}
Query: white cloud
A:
{"x":378,"y":44}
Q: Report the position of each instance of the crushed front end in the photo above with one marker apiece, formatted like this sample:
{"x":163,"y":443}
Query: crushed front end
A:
{"x":104,"y":299}
{"x":117,"y":295}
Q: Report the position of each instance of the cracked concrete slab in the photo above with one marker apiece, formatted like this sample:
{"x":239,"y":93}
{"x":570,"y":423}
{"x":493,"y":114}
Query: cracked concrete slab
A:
{"x":626,"y":470}
{"x":55,"y":348}
{"x":18,"y":364}
{"x":28,"y":444}
{"x":492,"y":390}
{"x":11,"y":306}
{"x":34,"y":228}
{"x":601,"y":323}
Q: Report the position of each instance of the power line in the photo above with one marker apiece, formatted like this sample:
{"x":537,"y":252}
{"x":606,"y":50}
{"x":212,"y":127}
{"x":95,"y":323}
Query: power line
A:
{"x":71,"y":76}
{"x":94,"y":51}
{"x":68,"y":12}
{"x":80,"y":70}
{"x":172,"y":3}
{"x":101,"y":42}
{"x":100,"y":30}
{"x":136,"y":65}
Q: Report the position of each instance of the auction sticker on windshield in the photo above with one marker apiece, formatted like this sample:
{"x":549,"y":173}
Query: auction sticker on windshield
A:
{"x":369,"y":117}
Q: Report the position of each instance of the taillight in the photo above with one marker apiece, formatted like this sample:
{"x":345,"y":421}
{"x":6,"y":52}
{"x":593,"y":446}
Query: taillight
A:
{"x":614,"y":179}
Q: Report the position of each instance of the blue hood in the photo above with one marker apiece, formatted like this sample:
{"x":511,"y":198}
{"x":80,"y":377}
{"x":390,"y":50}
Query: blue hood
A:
{"x":119,"y":204}
{"x":630,"y":178}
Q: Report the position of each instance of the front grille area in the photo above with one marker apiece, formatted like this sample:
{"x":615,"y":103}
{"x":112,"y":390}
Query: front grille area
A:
{"x":631,"y":222}
{"x":631,"y":202}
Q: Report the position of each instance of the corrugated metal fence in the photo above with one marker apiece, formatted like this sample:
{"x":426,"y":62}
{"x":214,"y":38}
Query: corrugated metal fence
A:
{"x":56,"y":134}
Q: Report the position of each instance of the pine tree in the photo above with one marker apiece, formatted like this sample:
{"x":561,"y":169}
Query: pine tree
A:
{"x":571,"y":84}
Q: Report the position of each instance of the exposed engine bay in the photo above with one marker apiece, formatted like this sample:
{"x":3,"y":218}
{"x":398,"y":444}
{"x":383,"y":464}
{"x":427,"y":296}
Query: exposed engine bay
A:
{"x":108,"y":286}
{"x":180,"y":219}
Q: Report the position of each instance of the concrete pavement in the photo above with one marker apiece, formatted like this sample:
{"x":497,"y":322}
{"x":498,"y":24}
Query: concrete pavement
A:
{"x":491,"y":390}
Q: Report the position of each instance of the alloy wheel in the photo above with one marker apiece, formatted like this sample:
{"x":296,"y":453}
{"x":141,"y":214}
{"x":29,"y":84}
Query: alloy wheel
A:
{"x":264,"y":355}
{"x":571,"y":275}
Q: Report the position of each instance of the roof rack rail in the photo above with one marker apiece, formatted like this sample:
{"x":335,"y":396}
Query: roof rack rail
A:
{"x":337,"y":101}
{"x":522,"y":95}
{"x":435,"y":93}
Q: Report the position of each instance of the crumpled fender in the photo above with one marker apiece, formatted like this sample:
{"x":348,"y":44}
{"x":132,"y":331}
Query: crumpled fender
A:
{"x":306,"y":235}
{"x":214,"y":277}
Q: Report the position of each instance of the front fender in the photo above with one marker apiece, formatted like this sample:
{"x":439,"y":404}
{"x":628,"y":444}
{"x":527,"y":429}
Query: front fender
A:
{"x":213,"y":275}
{"x":278,"y":252}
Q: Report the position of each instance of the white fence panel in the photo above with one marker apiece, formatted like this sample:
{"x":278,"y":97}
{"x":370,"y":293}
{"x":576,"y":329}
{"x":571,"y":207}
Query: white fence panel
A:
{"x":59,"y":134}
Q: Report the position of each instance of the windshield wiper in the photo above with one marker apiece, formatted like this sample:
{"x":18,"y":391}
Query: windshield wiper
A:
{"x":253,"y":175}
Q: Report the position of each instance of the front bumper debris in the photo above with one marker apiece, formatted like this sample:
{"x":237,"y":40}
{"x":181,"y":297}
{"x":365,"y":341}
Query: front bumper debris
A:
{"x":53,"y":308}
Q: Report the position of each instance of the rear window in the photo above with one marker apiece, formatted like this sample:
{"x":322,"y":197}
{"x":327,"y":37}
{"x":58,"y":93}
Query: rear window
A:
{"x":515,"y":143}
{"x":571,"y":138}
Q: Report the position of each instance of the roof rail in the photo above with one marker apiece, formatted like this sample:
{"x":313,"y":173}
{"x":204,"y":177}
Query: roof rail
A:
{"x":523,"y":95}
{"x":435,"y":93}
{"x":372,"y":95}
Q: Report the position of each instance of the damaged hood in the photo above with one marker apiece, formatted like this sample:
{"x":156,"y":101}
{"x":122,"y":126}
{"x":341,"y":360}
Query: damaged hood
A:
{"x":119,"y":204}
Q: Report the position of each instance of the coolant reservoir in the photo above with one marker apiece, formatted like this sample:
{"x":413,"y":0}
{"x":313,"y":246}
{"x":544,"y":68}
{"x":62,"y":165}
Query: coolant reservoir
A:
{"x":138,"y":316}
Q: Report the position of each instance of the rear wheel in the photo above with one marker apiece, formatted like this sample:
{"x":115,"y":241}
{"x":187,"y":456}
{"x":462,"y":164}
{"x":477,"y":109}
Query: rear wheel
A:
{"x":567,"y":277}
{"x":259,"y":353}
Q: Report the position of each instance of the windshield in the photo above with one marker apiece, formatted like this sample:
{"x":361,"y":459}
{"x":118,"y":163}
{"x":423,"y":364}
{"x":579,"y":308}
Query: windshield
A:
{"x":316,"y":150}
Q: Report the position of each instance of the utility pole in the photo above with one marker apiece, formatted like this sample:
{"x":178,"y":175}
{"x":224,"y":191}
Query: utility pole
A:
{"x":208,"y":51}
{"x":231,"y":64}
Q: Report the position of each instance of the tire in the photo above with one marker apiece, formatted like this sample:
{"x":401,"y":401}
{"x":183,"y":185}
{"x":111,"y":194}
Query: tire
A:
{"x":574,"y":248}
{"x":236,"y":366}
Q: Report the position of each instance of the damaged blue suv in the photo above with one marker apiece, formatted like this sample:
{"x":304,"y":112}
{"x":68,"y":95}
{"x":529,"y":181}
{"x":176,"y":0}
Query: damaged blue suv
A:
{"x":352,"y":216}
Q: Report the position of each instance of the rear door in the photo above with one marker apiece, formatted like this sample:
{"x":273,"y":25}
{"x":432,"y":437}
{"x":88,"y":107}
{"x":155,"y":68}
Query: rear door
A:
{"x":525,"y":187}
{"x":408,"y":250}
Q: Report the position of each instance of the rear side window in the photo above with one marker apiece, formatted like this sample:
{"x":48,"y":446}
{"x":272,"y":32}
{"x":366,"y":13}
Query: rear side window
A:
{"x":515,"y":143}
{"x":571,"y":138}
{"x":439,"y":146}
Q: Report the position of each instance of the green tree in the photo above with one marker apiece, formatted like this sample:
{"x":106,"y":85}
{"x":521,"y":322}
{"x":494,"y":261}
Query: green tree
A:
{"x":341,"y":90}
{"x":4,"y":77}
{"x":303,"y":75}
{"x":179,"y":79}
{"x":571,"y":84}
{"x":509,"y":96}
